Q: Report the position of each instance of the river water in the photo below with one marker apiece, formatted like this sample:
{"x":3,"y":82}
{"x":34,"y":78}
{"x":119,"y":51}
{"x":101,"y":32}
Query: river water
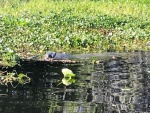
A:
{"x":116,"y":83}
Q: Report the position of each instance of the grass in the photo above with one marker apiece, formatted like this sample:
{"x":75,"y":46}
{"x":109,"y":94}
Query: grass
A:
{"x":30,"y":27}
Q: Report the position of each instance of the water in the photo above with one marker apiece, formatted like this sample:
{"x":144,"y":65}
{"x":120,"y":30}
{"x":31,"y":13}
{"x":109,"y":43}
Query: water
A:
{"x":118,"y":83}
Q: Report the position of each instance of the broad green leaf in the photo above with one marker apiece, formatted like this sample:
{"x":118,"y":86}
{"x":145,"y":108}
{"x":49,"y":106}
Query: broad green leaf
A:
{"x":67,"y":72}
{"x":148,"y":71}
{"x":66,"y":82}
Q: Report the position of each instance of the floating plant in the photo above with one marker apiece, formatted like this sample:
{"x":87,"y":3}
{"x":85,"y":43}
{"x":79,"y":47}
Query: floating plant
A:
{"x":68,"y":77}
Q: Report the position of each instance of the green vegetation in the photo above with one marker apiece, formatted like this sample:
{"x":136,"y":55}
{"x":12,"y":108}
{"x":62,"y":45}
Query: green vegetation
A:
{"x":9,"y":59}
{"x":68,"y":77}
{"x":30,"y":27}
{"x":13,"y":78}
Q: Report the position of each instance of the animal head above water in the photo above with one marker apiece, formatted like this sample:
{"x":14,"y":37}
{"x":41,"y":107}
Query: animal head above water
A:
{"x":50,"y":54}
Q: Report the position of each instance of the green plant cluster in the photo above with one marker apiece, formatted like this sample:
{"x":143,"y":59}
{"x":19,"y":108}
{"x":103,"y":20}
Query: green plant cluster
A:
{"x":68,"y":77}
{"x":9,"y":59}
{"x":74,"y":26}
{"x":13,"y":78}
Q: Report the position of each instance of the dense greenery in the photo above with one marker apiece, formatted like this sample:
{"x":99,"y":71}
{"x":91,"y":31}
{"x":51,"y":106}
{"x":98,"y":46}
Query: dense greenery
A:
{"x":29,"y":27}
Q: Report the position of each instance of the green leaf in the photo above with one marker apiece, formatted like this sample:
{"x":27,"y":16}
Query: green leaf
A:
{"x":66,"y":82}
{"x":72,"y":80}
{"x":148,"y":71}
{"x":21,"y":75}
{"x":67,"y":72}
{"x":22,"y":78}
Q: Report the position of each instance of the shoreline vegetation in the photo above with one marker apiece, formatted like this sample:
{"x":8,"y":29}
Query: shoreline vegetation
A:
{"x":32,"y":27}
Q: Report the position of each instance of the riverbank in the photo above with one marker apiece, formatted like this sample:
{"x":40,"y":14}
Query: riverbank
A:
{"x":30,"y":27}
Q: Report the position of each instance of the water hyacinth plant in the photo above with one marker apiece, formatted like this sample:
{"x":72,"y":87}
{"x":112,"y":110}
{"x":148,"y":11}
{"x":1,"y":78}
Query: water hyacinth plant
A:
{"x":31,"y":27}
{"x":68,"y":77}
{"x":67,"y":73}
{"x":9,"y":59}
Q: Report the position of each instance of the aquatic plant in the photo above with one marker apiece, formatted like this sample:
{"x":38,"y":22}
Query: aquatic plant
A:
{"x":68,"y":77}
{"x":30,"y":27}
{"x":67,"y":73}
{"x":9,"y":59}
{"x":68,"y":81}
{"x":13,"y":78}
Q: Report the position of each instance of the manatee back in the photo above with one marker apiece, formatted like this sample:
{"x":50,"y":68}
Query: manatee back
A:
{"x":57,"y":56}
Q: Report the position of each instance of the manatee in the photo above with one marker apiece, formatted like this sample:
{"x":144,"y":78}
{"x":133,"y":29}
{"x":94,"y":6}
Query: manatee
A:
{"x":56,"y":56}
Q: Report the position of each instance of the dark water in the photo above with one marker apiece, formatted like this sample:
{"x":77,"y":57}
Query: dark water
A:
{"x":119,"y":84}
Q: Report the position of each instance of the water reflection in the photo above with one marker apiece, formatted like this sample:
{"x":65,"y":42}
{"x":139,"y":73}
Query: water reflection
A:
{"x":117,"y":84}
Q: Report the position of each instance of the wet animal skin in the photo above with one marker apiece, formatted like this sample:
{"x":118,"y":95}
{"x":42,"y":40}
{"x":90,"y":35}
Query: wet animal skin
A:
{"x":57,"y":56}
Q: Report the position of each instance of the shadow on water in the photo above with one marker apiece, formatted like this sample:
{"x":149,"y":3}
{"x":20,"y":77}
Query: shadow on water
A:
{"x":119,"y":84}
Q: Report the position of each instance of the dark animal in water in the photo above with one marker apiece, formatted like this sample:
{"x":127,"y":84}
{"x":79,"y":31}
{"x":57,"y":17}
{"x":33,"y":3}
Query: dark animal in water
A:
{"x":57,"y":56}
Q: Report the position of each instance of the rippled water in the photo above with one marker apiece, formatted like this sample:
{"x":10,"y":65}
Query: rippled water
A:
{"x":118,"y":83}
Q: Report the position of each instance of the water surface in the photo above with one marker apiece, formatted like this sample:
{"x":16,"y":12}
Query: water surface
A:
{"x":116,"y":83}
